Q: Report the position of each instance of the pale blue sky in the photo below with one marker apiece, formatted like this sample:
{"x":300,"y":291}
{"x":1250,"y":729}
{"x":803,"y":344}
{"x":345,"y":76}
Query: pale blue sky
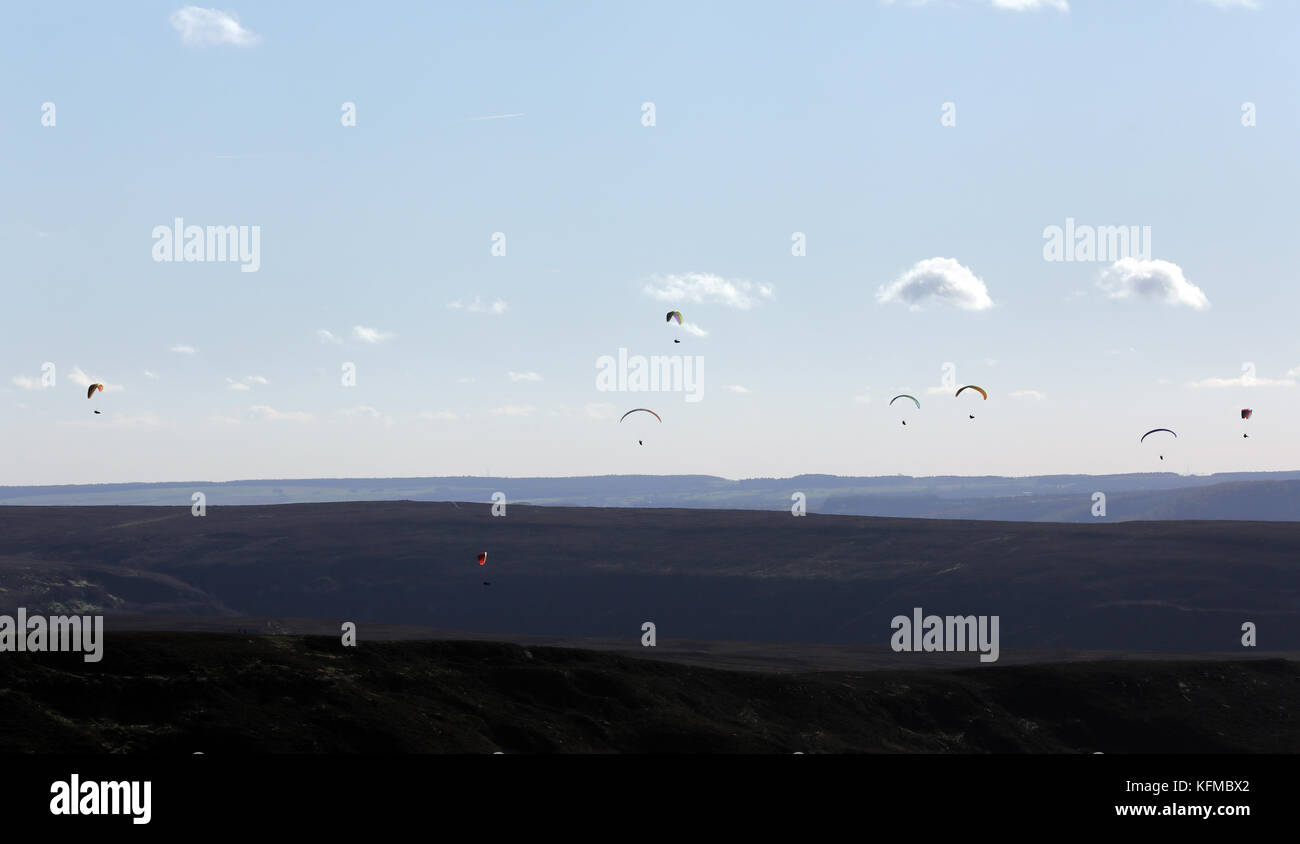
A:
{"x":770,"y":119}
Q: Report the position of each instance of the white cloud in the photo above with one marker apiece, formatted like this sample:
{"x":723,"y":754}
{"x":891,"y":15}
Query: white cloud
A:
{"x":736,"y":388}
{"x":693,"y":329}
{"x":81,"y":379}
{"x":706,"y":287}
{"x":1030,"y":5}
{"x":144,"y":420}
{"x":28,"y":383}
{"x":242,"y":384}
{"x":371,"y":335}
{"x":524,"y":376}
{"x":361,"y":410}
{"x":224,"y":420}
{"x":1161,"y":281}
{"x":497,"y":307}
{"x":863,"y":399}
{"x":271,"y":414}
{"x":600,"y":410}
{"x":327,"y":336}
{"x":437,"y":415}
{"x":1244,"y":381}
{"x":941,"y":280}
{"x":1253,"y":5}
{"x":150,"y":375}
{"x":512,"y":410}
{"x":1028,"y":394}
{"x":934,"y":391}
{"x":182,"y":349}
{"x":1004,"y":5}
{"x":201,"y":27}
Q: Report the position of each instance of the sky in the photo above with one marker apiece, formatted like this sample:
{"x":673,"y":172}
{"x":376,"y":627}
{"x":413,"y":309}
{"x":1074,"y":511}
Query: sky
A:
{"x":468,"y":209}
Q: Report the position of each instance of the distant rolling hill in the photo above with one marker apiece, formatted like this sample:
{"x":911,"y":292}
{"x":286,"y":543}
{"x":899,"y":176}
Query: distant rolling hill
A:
{"x":1182,"y":587}
{"x":1259,"y":496}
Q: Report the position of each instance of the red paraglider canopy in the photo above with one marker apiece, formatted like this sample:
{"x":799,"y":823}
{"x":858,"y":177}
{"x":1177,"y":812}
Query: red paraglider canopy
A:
{"x":482,"y":558}
{"x":1245,"y":412}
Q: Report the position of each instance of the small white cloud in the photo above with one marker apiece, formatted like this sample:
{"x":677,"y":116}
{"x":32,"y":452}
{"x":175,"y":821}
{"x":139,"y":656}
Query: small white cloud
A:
{"x":524,"y":376}
{"x":201,"y":27}
{"x":362,"y":410}
{"x":150,"y":375}
{"x":1243,"y":381}
{"x":735,"y":388}
{"x":1253,"y":5}
{"x":223,"y":420}
{"x":1161,"y":281}
{"x":497,"y":307}
{"x":934,"y":391}
{"x":600,"y":410}
{"x":371,"y":335}
{"x":693,"y":329}
{"x":182,"y":349}
{"x":940,"y":280}
{"x":237,"y":385}
{"x":437,"y":415}
{"x":706,"y":287}
{"x":242,"y":384}
{"x":863,"y":399}
{"x":514,"y":410}
{"x":81,"y":379}
{"x":1028,"y":394}
{"x":1031,"y":5}
{"x":327,"y":336}
{"x":26,"y":383}
{"x":261,"y":411}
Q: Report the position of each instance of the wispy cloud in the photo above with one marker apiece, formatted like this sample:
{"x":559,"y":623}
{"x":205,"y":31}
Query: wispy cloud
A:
{"x":371,"y":335}
{"x":81,"y":379}
{"x":699,"y":288}
{"x":182,"y":349}
{"x":150,"y":375}
{"x":694,"y":330}
{"x":938,"y":280}
{"x":1160,"y":281}
{"x":327,"y":336}
{"x":23,"y":382}
{"x":1245,"y":381}
{"x":476,"y":306}
{"x":362,"y":410}
{"x":437,"y":415}
{"x":523,"y":376}
{"x":600,"y":410}
{"x":243,"y":383}
{"x":1028,"y":394}
{"x":261,"y":411}
{"x":201,"y":27}
{"x":736,"y":388}
{"x":514,"y":410}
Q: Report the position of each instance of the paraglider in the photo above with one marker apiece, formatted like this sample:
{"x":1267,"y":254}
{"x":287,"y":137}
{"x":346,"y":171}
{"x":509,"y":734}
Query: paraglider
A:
{"x":979,"y":390}
{"x":640,"y":410}
{"x":674,"y":315}
{"x":905,"y":396}
{"x":482,"y":558}
{"x":90,"y":391}
{"x":1245,"y":414}
{"x":1157,"y":430}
